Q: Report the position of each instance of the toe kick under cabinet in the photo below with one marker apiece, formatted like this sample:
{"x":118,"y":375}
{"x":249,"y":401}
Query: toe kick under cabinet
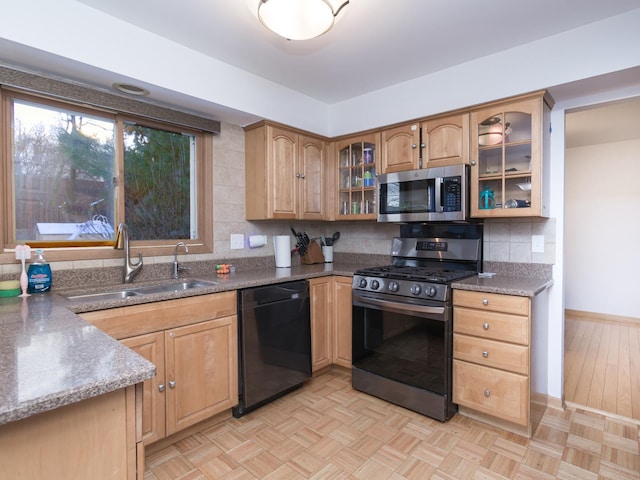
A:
{"x":492,"y":359}
{"x":194,"y":344}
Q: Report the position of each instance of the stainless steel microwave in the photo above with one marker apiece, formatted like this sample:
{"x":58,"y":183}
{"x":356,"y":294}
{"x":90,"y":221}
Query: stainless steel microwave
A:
{"x":427,"y":195}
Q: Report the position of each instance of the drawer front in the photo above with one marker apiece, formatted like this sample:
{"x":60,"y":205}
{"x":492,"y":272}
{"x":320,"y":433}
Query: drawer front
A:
{"x":492,"y":301}
{"x":505,"y":356}
{"x":491,"y":325}
{"x":504,"y":395}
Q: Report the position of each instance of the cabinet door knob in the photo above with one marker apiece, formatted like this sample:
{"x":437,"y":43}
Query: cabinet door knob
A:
{"x":485,"y":354}
{"x":485,"y":326}
{"x":473,"y":162}
{"x":414,"y":146}
{"x":485,"y":301}
{"x":301,"y":175}
{"x":172,"y":384}
{"x":422,"y":145}
{"x":487,"y":393}
{"x":297,"y":175}
{"x":161,"y":387}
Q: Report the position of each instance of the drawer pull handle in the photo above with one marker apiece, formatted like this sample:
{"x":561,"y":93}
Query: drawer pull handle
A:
{"x":485,"y":354}
{"x":485,"y":326}
{"x":161,"y":387}
{"x":487,"y":393}
{"x":485,"y":301}
{"x":172,"y":384}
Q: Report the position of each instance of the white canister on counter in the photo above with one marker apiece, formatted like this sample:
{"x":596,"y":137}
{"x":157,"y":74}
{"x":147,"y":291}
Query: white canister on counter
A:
{"x":327,"y":252}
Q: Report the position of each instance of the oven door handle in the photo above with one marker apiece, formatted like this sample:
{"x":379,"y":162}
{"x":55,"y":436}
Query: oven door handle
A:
{"x":398,"y":307}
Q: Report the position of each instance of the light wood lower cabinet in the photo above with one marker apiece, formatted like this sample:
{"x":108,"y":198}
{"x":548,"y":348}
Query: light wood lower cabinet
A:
{"x":330,"y":321}
{"x":492,"y":358}
{"x":94,"y":438}
{"x":196,"y":361}
{"x":342,"y":305}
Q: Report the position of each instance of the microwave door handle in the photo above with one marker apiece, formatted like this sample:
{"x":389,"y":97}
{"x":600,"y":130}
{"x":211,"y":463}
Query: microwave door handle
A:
{"x":439,"y":194}
{"x":398,"y":307}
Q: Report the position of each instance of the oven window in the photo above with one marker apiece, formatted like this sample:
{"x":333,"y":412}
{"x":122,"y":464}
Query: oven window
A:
{"x":401,"y":347}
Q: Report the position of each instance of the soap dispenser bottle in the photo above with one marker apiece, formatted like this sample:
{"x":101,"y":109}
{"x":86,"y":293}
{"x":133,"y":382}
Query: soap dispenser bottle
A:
{"x":39,"y":274}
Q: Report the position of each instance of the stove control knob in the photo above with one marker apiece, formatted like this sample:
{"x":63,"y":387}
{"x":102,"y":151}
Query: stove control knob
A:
{"x":362,"y":283}
{"x":416,"y":289}
{"x":375,"y":284}
{"x":431,"y":292}
{"x":393,"y":286}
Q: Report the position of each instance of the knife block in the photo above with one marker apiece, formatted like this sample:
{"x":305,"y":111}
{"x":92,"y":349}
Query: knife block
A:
{"x":312,"y":255}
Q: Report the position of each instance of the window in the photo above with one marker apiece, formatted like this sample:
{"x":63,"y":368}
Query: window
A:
{"x":74,"y":173}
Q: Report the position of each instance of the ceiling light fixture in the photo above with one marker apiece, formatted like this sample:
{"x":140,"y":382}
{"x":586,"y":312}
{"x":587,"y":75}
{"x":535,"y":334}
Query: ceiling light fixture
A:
{"x":130,"y":89}
{"x":298,"y":19}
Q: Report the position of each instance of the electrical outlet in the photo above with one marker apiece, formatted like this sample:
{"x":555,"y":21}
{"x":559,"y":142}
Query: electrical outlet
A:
{"x":237,"y":241}
{"x":537,"y":243}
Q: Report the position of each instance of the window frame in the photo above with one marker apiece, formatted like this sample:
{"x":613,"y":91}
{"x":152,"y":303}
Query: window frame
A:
{"x":61,"y":251}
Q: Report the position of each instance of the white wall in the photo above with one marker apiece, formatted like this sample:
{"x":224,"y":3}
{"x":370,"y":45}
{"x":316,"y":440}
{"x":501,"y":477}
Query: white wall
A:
{"x":602,"y":221}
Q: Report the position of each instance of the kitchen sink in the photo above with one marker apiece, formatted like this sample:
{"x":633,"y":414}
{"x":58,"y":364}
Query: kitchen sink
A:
{"x":105,"y":296}
{"x":121,"y":294}
{"x":176,"y":287}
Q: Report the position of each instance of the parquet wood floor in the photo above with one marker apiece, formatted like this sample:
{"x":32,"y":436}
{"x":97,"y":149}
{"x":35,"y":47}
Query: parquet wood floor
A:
{"x":327,"y":430}
{"x":602,"y":366}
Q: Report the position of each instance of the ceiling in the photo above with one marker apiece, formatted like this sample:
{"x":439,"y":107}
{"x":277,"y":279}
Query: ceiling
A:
{"x":374,"y":44}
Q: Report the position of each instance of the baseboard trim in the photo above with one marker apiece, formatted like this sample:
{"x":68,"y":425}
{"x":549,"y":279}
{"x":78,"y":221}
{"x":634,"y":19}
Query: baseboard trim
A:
{"x":600,"y":317}
{"x":576,"y":406}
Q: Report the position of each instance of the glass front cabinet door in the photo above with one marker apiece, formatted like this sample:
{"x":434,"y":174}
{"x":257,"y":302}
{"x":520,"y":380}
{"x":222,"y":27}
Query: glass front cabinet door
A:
{"x":510,"y":158}
{"x":357,"y":160}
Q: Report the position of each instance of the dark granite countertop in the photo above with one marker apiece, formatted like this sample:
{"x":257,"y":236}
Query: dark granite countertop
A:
{"x":50,"y":357}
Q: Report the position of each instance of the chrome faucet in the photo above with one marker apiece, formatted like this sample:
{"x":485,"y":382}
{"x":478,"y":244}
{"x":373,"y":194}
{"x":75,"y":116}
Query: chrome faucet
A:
{"x":177,"y":268}
{"x":122,"y":243}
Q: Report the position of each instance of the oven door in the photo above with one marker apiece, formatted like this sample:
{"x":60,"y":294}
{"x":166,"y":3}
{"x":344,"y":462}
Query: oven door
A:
{"x":402,"y":352}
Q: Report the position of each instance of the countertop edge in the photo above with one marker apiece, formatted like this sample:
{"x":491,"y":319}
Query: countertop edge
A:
{"x":505,"y":285}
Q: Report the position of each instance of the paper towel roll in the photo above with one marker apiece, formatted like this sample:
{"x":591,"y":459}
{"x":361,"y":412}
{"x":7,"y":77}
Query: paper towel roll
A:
{"x":282,"y":248}
{"x":256,"y":241}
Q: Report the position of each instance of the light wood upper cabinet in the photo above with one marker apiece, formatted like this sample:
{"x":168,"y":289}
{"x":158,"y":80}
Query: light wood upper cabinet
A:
{"x":435,"y":142}
{"x":357,"y":166}
{"x":445,"y":141}
{"x":284,"y":174}
{"x":510,"y":158}
{"x":401,"y":148}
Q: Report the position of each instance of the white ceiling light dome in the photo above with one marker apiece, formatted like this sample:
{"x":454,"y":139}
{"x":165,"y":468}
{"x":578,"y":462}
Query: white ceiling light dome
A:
{"x":298,"y":19}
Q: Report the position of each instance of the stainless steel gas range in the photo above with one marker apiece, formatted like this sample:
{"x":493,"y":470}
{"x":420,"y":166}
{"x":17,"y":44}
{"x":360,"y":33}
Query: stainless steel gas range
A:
{"x":402,"y":333}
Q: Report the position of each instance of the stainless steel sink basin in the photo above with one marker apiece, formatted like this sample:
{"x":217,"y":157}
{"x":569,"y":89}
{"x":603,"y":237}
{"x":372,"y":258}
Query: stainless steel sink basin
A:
{"x":176,"y":287}
{"x":105,"y":296}
{"x":173,"y":287}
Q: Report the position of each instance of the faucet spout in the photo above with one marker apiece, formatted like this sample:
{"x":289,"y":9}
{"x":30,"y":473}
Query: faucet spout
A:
{"x":176,"y":267}
{"x":122,"y":243}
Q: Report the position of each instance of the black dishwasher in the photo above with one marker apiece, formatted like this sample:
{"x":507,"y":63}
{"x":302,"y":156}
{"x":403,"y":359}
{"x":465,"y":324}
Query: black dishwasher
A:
{"x":274,"y":335}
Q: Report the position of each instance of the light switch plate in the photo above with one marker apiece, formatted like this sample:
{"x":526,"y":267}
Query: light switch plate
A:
{"x":537,"y":243}
{"x":237,"y":241}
